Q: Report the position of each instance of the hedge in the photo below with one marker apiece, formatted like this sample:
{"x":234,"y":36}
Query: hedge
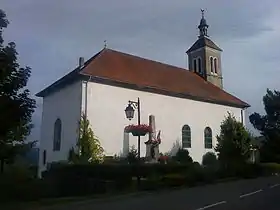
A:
{"x":270,"y":168}
{"x":77,"y":180}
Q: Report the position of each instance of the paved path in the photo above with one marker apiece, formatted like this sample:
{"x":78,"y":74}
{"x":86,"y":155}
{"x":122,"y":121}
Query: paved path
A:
{"x":255,"y":194}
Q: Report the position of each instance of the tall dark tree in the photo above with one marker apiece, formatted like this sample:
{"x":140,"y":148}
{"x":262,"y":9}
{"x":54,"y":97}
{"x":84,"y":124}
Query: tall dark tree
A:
{"x":269,"y":127}
{"x":234,"y":143}
{"x":16,"y":106}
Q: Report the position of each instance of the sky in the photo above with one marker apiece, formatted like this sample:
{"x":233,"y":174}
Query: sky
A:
{"x":51,"y":36}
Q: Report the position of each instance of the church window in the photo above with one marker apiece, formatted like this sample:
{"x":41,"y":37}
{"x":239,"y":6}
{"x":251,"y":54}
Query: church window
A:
{"x":215,"y":66}
{"x":211,"y":65}
{"x":199,"y":65}
{"x":186,"y":136}
{"x":194,"y":65}
{"x":57,"y":135}
{"x":208,"y":138}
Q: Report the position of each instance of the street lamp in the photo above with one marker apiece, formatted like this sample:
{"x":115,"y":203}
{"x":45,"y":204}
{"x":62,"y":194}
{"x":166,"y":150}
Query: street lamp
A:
{"x":129,"y":112}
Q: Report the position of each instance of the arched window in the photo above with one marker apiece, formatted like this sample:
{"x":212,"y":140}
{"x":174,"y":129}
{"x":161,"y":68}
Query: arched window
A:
{"x":199,"y":65}
{"x":44,"y":157}
{"x":211,"y":65}
{"x":215,"y":66}
{"x":194,"y":65}
{"x":57,"y":135}
{"x":186,"y":136}
{"x":208,"y":138}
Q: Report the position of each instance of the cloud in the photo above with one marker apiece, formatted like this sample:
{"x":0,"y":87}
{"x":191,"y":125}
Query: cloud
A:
{"x":51,"y":35}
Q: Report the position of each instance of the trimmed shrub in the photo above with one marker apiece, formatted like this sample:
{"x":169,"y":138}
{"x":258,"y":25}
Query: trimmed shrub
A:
{"x":152,"y":182}
{"x":84,"y":179}
{"x":89,"y":178}
{"x":183,"y":156}
{"x":209,"y":159}
{"x":270,"y":168}
{"x":132,"y":156}
{"x":248,"y":170}
{"x":194,"y":174}
{"x":18,"y":183}
{"x":174,"y":180}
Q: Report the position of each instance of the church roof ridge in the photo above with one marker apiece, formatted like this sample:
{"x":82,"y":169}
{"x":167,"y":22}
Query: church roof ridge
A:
{"x":147,"y":59}
{"x":117,"y":68}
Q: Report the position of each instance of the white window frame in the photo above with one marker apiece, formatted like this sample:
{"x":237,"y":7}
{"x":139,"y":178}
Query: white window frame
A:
{"x":186,"y":137}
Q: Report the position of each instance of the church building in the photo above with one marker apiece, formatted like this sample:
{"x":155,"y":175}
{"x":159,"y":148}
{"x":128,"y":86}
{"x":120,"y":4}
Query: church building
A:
{"x":188,"y":104}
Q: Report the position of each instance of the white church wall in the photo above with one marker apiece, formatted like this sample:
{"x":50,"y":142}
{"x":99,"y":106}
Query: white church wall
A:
{"x":66,"y":105}
{"x":106,"y":106}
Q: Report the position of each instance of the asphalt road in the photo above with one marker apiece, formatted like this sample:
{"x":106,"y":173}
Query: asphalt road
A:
{"x":255,"y":194}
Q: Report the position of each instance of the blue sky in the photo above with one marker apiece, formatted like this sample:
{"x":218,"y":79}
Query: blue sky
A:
{"x":51,"y":36}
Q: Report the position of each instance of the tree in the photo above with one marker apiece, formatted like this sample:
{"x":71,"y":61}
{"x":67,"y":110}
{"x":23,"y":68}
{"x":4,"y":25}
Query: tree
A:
{"x":89,"y":148}
{"x":234,"y":143}
{"x":16,"y":106}
{"x":269,"y":127}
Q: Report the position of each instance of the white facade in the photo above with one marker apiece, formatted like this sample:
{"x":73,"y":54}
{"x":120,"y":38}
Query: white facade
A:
{"x":105,"y":106}
{"x":65,"y":105}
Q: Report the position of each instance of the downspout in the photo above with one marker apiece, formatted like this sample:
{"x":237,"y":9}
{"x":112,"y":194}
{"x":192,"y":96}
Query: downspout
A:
{"x":81,"y":66}
{"x":86,"y":95}
{"x":85,"y":111}
{"x":242,"y":116}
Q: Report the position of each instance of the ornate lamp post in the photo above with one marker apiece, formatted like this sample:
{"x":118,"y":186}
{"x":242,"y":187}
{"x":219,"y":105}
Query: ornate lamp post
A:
{"x":129,"y":112}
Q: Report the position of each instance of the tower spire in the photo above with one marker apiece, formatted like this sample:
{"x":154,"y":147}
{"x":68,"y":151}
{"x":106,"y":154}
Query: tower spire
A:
{"x":202,"y":13}
{"x":203,"y":27}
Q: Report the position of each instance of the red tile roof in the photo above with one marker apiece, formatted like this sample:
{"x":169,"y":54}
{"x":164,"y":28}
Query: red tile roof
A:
{"x":121,"y":69}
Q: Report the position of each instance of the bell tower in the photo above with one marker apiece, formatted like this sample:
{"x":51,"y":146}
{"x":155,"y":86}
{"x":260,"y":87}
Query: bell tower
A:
{"x":204,"y":56}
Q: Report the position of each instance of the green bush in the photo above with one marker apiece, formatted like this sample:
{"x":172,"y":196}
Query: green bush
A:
{"x":83,"y":179}
{"x":194,"y":174}
{"x":18,"y":183}
{"x":132,"y":156}
{"x":209,"y":159}
{"x":174,"y":180}
{"x":210,"y":174}
{"x":248,"y":170}
{"x":119,"y":176}
{"x":89,"y":178}
{"x":270,"y":168}
{"x":183,"y":156}
{"x":152,"y":182}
